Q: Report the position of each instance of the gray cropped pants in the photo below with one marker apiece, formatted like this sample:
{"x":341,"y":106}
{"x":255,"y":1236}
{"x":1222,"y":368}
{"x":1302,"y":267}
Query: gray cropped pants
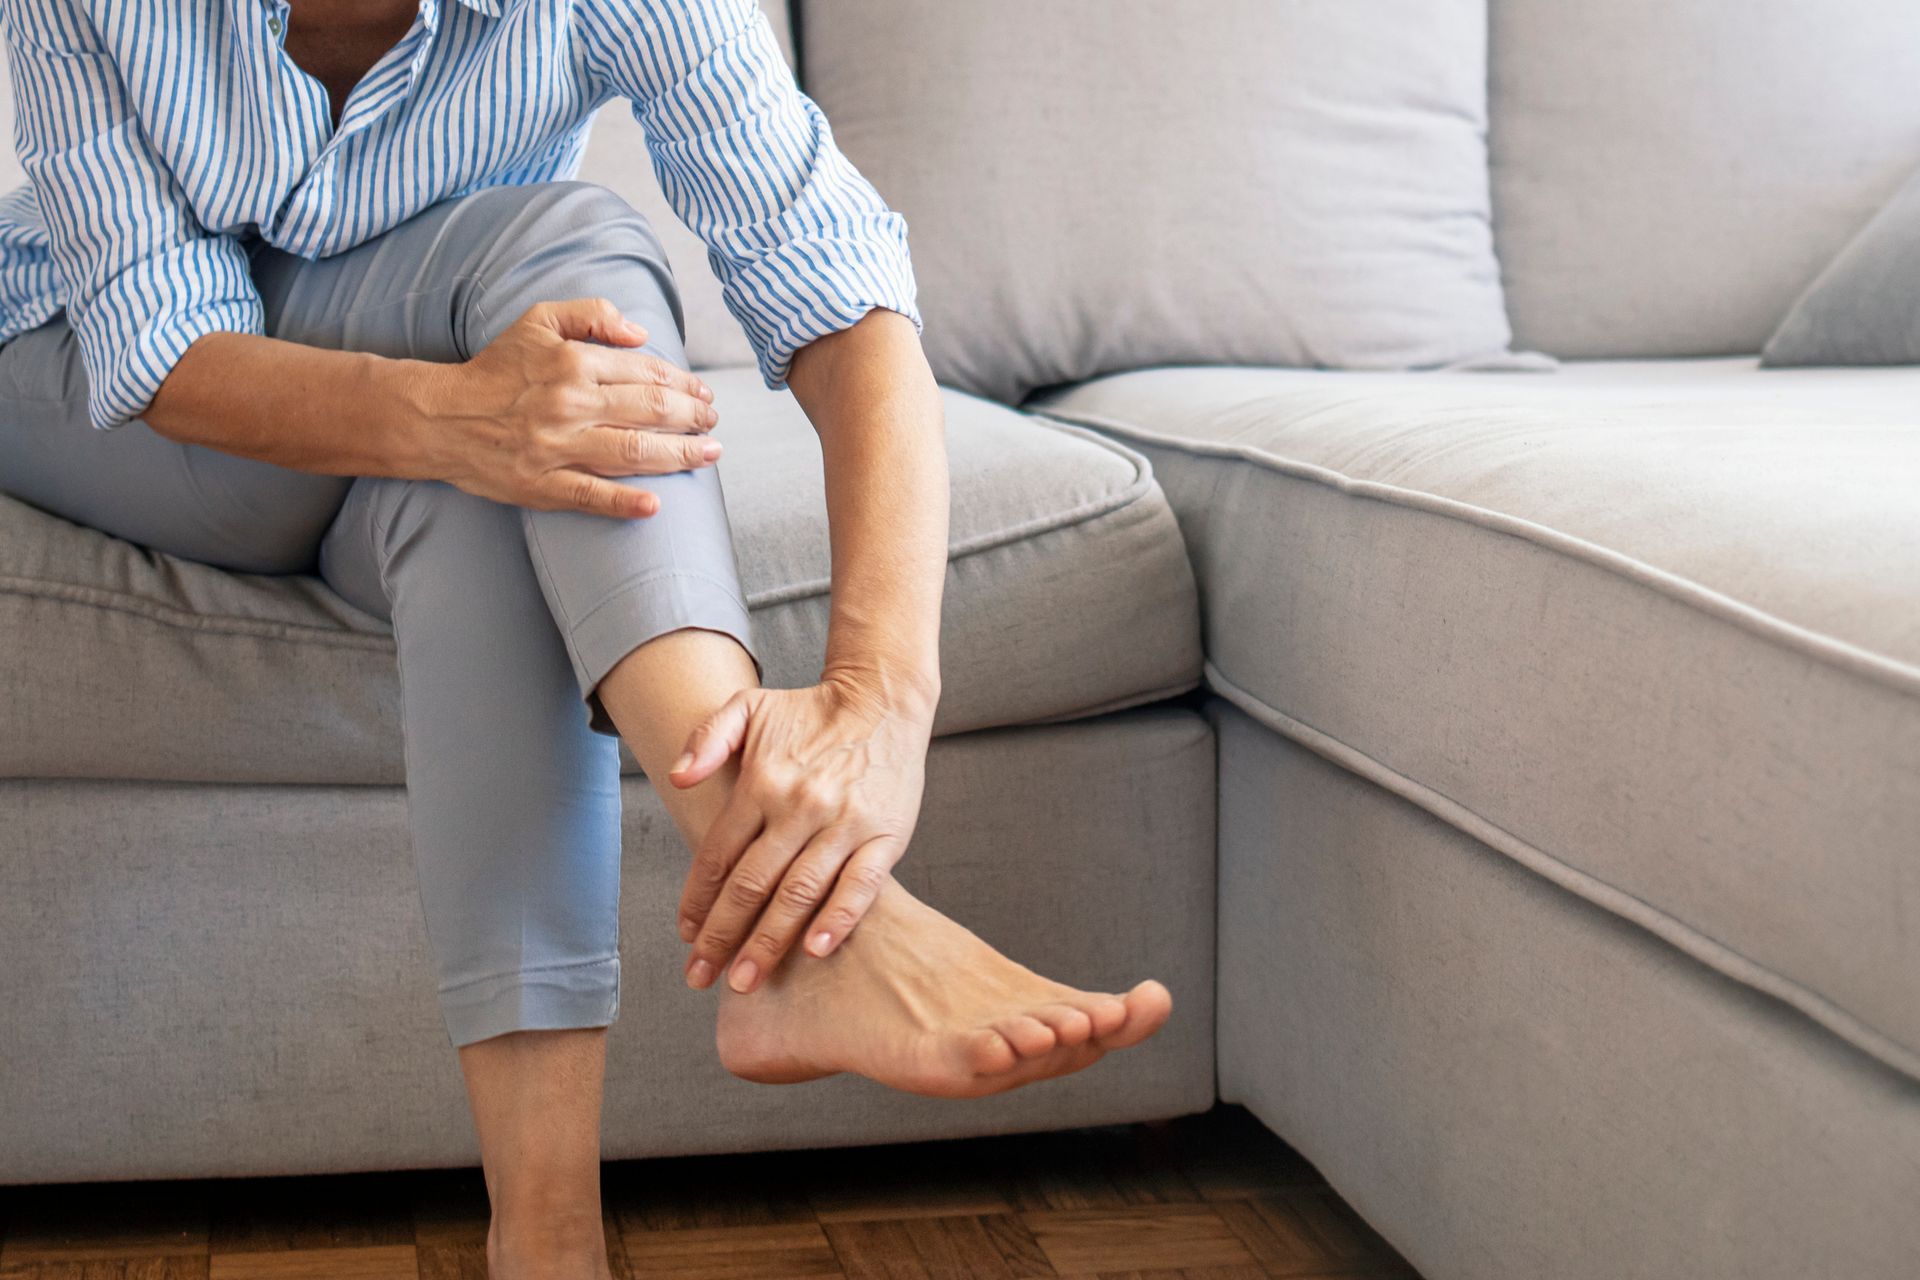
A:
{"x":505,"y":620}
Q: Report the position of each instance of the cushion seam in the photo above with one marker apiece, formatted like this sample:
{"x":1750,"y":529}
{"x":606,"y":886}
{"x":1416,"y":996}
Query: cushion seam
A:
{"x":1893,"y":673}
{"x":1688,"y":939}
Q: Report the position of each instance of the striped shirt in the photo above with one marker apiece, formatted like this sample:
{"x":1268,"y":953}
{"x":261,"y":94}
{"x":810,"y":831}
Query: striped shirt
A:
{"x":159,"y":138}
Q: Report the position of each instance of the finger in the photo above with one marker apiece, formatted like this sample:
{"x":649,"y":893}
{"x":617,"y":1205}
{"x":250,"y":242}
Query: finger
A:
{"x":653,"y":407}
{"x":623,"y":451}
{"x":728,"y":836}
{"x":741,"y":900}
{"x":862,"y":878}
{"x":801,"y":892}
{"x":588,"y":320}
{"x":570,"y":490}
{"x":611,"y":365}
{"x":713,"y":740}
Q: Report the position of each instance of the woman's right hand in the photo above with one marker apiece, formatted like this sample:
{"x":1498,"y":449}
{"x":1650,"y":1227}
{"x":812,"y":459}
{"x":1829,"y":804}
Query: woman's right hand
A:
{"x":559,"y":404}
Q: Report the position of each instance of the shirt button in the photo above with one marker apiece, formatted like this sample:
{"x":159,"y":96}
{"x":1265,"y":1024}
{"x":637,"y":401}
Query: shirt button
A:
{"x":273,"y":25}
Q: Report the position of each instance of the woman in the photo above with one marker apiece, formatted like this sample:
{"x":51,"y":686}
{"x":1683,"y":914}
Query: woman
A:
{"x":300,"y":286}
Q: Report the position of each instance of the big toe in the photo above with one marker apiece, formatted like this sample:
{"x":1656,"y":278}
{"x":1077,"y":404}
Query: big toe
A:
{"x":1147,"y":1008}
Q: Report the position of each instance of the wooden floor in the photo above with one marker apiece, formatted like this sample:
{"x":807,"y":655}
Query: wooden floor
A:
{"x":1214,"y":1197}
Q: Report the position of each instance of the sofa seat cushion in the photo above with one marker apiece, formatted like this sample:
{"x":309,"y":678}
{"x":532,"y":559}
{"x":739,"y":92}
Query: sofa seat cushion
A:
{"x":1651,"y":628}
{"x":1068,"y":593}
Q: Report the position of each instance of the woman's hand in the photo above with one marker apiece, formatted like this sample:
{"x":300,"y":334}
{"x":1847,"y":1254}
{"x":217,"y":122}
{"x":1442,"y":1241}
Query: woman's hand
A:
{"x":828,"y":795}
{"x":554,"y":406}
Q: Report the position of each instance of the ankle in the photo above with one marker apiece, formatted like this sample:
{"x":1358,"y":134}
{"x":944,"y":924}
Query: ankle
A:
{"x":549,"y":1249}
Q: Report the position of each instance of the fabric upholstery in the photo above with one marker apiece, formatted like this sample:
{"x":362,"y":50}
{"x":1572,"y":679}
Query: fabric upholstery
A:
{"x":1651,"y":629}
{"x":1068,"y":593}
{"x":1669,"y":176}
{"x":228,"y":980}
{"x":1510,"y":1082}
{"x":1096,"y":185}
{"x":1865,"y":307}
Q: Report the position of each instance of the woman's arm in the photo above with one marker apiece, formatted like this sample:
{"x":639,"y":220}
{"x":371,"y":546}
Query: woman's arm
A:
{"x":524,"y":422}
{"x":830,"y":790}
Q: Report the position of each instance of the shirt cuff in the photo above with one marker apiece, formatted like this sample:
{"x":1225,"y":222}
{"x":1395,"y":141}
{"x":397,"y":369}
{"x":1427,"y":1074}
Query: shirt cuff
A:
{"x":136,"y":328}
{"x":819,"y":284}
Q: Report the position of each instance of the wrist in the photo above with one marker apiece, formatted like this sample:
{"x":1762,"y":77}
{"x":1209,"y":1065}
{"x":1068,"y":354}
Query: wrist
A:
{"x":903,"y":688}
{"x":415,"y":399}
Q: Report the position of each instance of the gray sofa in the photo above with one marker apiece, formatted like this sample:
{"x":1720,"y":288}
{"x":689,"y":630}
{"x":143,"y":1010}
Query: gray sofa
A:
{"x":1515,"y":775}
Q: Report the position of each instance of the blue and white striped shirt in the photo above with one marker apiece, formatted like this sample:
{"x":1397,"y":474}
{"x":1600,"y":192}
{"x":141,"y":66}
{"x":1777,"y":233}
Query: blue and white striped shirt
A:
{"x":157,"y":137}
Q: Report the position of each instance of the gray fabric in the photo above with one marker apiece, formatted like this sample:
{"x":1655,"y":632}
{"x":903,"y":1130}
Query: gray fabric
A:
{"x":506,"y":619}
{"x":1096,"y":185}
{"x":1652,"y":630}
{"x":1512,"y":1084}
{"x":1069,"y":592}
{"x":617,"y":159}
{"x":1667,"y":176}
{"x":234,"y":980}
{"x":1865,"y":307}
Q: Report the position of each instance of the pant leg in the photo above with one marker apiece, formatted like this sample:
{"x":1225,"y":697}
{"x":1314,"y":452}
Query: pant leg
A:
{"x":138,"y":485}
{"x":505,"y":620}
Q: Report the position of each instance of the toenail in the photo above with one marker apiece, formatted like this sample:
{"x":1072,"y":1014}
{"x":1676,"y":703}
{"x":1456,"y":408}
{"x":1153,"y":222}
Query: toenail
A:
{"x":743,"y":975}
{"x":700,"y":974}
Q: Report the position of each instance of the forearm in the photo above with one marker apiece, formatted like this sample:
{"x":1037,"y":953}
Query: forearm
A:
{"x":301,"y":407}
{"x":873,"y":401}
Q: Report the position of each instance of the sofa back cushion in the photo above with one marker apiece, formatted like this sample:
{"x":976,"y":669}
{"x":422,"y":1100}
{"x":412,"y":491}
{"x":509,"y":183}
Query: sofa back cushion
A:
{"x":1095,"y":185}
{"x":1669,"y":175}
{"x":616,"y":158}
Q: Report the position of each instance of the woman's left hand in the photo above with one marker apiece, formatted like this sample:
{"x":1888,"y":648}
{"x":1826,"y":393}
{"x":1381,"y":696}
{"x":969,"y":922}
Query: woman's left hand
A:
{"x":828,"y":794}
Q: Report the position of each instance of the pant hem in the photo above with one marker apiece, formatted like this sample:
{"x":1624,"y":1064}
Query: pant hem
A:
{"x":642,"y":610}
{"x":557,"y":999}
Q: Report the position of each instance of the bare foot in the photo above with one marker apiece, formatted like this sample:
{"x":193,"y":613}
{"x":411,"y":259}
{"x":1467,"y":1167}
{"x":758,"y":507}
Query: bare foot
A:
{"x":915,"y":1001}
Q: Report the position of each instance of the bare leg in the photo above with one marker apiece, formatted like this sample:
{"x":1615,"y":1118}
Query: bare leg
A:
{"x":911,"y":998}
{"x":535,"y":1097}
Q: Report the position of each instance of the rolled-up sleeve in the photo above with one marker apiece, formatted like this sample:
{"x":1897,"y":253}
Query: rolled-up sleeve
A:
{"x":802,"y":243}
{"x":143,"y":279}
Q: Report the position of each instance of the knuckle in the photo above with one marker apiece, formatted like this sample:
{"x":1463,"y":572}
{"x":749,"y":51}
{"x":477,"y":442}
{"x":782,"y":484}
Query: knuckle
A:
{"x":745,"y":892}
{"x":801,"y":889}
{"x":866,"y":878}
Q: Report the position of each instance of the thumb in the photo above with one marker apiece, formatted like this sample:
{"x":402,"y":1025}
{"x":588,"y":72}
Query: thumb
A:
{"x":712,"y":741}
{"x":594,"y":320}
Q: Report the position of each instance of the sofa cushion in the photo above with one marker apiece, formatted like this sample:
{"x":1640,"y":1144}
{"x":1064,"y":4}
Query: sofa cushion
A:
{"x":1651,"y":629}
{"x":1670,"y":174}
{"x":1068,"y":593}
{"x":1104,"y":184}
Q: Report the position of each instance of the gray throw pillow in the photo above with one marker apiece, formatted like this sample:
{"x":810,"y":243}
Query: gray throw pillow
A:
{"x":1865,"y":307}
{"x":1097,"y":185}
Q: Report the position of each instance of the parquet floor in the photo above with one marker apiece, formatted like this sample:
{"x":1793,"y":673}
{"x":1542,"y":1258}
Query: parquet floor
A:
{"x":1213,"y":1197}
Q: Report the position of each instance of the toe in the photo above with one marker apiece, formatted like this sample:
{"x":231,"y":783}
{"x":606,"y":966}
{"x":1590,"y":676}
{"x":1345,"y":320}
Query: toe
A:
{"x":1147,"y":1007}
{"x":1029,"y":1036}
{"x":1107,"y":1013}
{"x":988,"y":1053}
{"x":1071,"y":1027}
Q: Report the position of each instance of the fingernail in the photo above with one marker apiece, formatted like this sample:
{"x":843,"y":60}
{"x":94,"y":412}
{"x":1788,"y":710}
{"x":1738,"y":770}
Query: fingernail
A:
{"x":820,"y":942}
{"x":743,"y":975}
{"x":711,"y":416}
{"x":680,"y":765}
{"x":710,"y":450}
{"x":688,"y":930}
{"x":699,"y":975}
{"x":706,"y":393}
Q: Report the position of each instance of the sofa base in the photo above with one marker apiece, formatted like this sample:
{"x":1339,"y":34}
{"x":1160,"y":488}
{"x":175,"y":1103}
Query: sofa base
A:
{"x":1510,"y":1082}
{"x":219,"y":981}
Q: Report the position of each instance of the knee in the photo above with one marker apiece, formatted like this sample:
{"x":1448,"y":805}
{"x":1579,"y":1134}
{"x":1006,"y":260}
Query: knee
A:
{"x":562,"y":240}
